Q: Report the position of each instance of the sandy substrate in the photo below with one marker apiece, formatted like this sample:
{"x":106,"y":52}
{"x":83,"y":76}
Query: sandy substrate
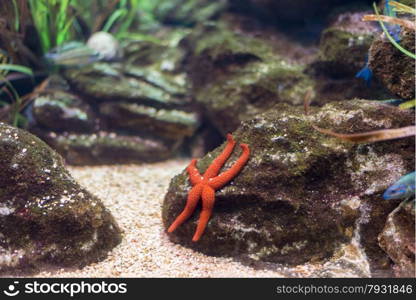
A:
{"x":134,"y":194}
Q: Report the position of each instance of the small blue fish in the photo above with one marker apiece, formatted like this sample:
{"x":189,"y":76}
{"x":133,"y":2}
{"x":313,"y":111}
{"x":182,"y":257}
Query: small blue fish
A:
{"x":404,"y":188}
{"x":394,"y":30}
{"x":365,"y":73}
{"x":394,"y":102}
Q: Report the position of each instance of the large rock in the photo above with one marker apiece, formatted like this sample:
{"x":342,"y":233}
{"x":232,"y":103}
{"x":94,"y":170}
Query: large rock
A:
{"x":235,"y":77}
{"x":343,"y":52}
{"x":45,"y":216}
{"x":393,"y":68}
{"x":302,"y":194}
{"x":169,"y":123}
{"x":398,"y":239}
{"x":106,"y":147}
{"x":344,"y":45}
{"x":62,"y":111}
{"x":131,"y":111}
{"x":108,"y":81}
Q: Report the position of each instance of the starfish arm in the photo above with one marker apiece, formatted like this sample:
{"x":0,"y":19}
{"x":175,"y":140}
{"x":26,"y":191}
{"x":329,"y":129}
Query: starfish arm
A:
{"x":218,"y":162}
{"x":208,"y":199}
{"x":192,"y":201}
{"x":194,"y":175}
{"x":225,"y":177}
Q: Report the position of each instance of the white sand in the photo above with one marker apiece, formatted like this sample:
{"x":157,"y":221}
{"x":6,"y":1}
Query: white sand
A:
{"x":134,"y":194}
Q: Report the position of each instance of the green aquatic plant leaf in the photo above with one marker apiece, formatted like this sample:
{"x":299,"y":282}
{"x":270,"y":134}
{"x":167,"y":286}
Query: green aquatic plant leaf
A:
{"x":408,"y":104}
{"x":113,"y":18}
{"x":402,"y":8}
{"x":63,"y":34}
{"x":16,"y":16}
{"x":53,"y":20}
{"x":397,"y":45}
{"x":16,"y":68}
{"x":132,"y":10}
{"x":17,"y":100}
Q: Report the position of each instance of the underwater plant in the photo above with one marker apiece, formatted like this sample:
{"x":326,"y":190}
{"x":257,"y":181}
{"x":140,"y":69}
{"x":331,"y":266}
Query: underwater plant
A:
{"x":7,"y":88}
{"x":393,"y":39}
{"x":61,"y":28}
{"x":60,"y":21}
{"x":52,"y":21}
{"x":392,"y":32}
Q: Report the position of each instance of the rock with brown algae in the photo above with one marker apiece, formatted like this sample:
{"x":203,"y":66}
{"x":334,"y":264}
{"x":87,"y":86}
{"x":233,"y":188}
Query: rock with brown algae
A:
{"x":303,"y":196}
{"x":46,"y":218}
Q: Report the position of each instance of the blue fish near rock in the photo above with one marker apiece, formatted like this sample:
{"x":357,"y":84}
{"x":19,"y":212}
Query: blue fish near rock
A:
{"x":393,"y":29}
{"x":404,"y":188}
{"x":365,"y":73}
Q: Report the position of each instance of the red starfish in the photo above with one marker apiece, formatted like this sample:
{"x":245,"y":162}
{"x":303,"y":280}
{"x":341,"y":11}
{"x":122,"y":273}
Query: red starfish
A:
{"x":206,"y":185}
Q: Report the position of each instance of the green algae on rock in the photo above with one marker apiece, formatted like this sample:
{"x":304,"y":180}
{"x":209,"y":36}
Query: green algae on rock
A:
{"x":46,"y":218}
{"x":343,"y":50}
{"x":168,"y":123}
{"x":344,"y":45}
{"x":106,"y":81}
{"x":138,"y":108}
{"x":62,"y":111}
{"x":235,"y":77}
{"x":109,"y":148}
{"x":302,"y":194}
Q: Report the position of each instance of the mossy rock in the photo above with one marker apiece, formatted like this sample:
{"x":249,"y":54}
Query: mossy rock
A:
{"x":165,"y":54}
{"x":394,"y":69}
{"x":141,"y":108}
{"x":62,"y":111}
{"x":170,"y":124}
{"x":344,"y":45}
{"x":45,"y":216}
{"x":110,"y":148}
{"x":235,"y":77}
{"x":302,"y":194}
{"x":107,"y":82}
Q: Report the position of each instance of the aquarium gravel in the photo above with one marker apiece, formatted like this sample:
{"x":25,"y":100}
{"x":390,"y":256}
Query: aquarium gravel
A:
{"x":134,"y":194}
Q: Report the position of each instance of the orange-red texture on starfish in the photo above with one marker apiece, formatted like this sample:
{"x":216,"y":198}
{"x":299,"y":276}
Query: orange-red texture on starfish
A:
{"x":204,"y":186}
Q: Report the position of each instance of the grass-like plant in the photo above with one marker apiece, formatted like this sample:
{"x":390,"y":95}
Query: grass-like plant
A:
{"x":125,"y":13}
{"x":53,"y":21}
{"x":8,"y":88}
{"x":398,"y":7}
